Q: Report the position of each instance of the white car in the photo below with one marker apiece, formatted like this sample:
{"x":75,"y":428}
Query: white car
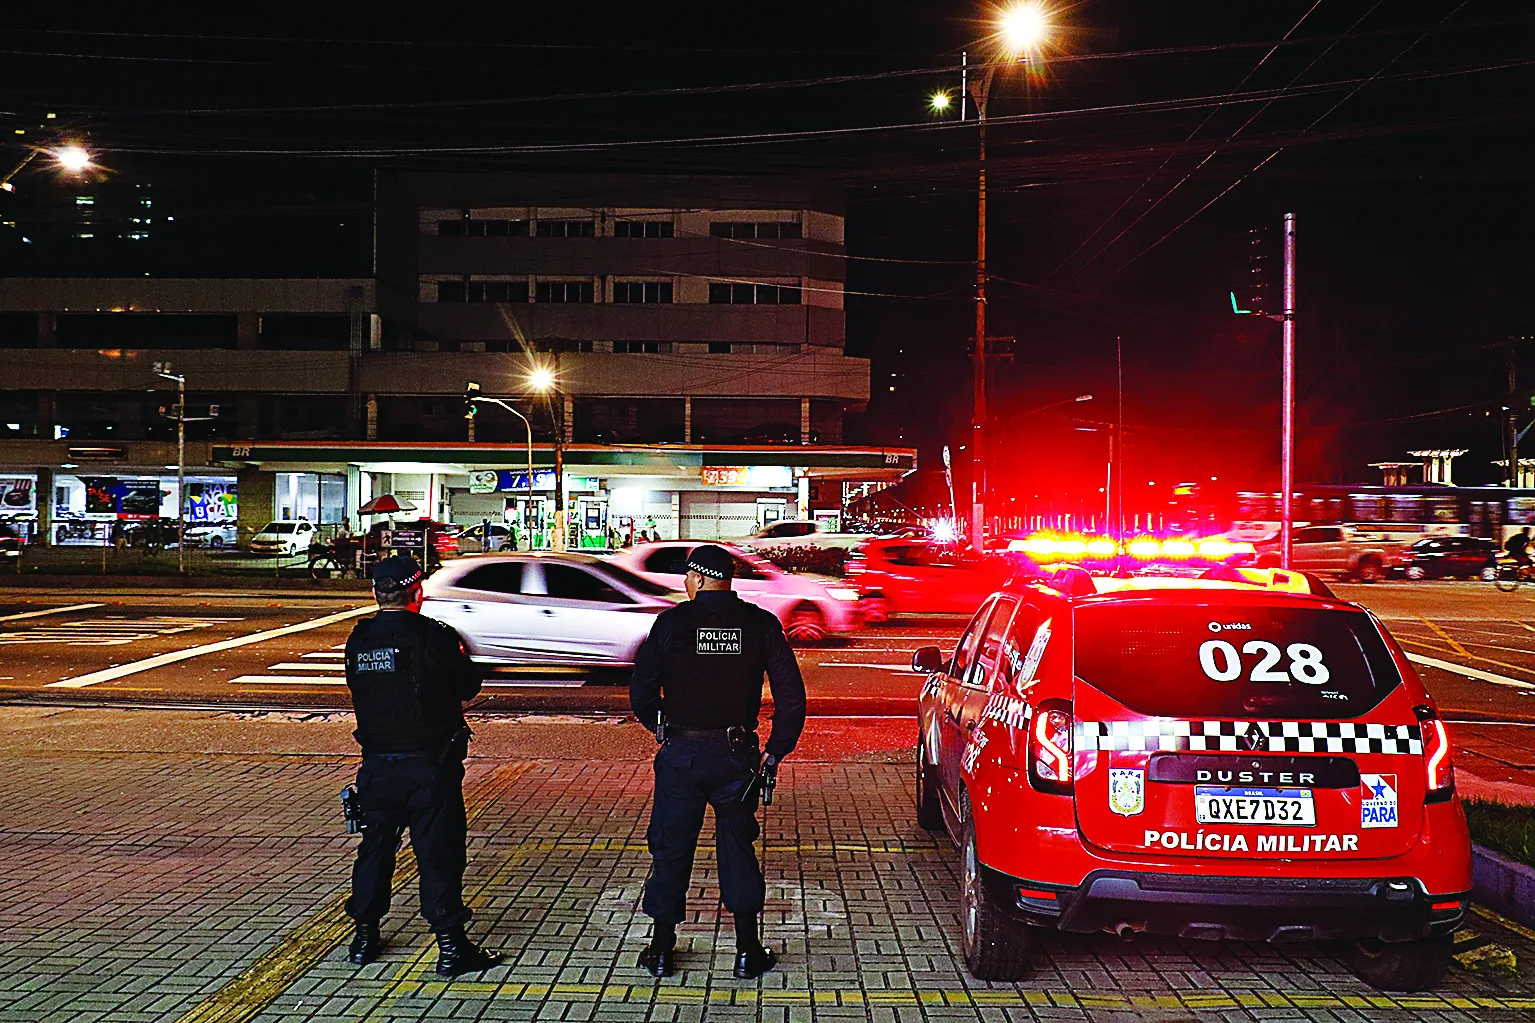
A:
{"x":800,"y":533}
{"x":212,"y":534}
{"x":809,"y":610}
{"x":568,"y":609}
{"x":283,"y":537}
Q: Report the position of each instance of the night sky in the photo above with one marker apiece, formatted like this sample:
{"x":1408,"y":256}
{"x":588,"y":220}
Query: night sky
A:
{"x":1124,"y":165}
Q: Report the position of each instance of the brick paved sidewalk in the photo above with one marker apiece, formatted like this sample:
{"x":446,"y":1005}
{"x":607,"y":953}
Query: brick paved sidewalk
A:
{"x":184,"y":886}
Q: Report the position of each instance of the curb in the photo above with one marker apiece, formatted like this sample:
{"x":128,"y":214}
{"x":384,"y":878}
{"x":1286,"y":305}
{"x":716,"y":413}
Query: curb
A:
{"x":1503,"y":884}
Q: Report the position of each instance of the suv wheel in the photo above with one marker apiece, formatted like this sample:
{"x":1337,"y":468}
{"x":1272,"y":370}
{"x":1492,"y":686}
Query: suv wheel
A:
{"x":929,"y":811}
{"x":996,"y":946}
{"x":1371,"y":570}
{"x":1489,"y":573}
{"x":1415,"y":572}
{"x":876,"y":609}
{"x":805,"y":624}
{"x":1400,"y":965}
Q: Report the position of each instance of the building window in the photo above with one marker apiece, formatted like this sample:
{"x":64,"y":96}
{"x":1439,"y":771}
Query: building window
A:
{"x":565,"y":291}
{"x":567,"y":228}
{"x":450,"y":291}
{"x":771,"y":230}
{"x":754,"y":294}
{"x":560,"y":344}
{"x":719,"y":347}
{"x":642,"y":347}
{"x":643,"y":229}
{"x":497,"y":291}
{"x":482,"y":228}
{"x":643,"y":291}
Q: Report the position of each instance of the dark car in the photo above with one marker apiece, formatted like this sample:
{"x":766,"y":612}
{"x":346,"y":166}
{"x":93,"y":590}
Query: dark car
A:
{"x":1449,"y":557}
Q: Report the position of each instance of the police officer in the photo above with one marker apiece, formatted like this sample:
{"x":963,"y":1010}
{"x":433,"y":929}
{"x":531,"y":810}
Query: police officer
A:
{"x":698,"y":684}
{"x":409,"y":676}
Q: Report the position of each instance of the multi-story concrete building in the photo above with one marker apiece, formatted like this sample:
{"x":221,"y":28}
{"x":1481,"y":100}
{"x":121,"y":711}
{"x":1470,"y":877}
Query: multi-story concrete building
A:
{"x":694,"y":329}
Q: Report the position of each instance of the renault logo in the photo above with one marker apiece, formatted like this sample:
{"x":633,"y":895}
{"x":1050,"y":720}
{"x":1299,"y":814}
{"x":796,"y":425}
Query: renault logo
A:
{"x":1255,"y":738}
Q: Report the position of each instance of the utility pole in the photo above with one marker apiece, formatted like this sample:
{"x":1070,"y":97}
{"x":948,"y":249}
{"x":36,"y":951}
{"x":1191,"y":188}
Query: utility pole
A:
{"x":1287,"y":411}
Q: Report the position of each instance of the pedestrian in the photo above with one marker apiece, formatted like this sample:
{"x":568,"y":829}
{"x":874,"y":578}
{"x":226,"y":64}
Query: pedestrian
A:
{"x":409,"y":676}
{"x":698,"y":684}
{"x":1518,"y":547}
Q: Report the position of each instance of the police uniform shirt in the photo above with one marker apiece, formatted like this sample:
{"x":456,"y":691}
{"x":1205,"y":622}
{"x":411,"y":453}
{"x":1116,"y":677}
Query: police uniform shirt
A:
{"x":409,"y":676}
{"x":703,"y":662}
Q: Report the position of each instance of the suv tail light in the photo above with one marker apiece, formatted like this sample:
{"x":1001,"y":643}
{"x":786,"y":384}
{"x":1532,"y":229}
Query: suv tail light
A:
{"x":1437,"y":765}
{"x":1050,"y":757}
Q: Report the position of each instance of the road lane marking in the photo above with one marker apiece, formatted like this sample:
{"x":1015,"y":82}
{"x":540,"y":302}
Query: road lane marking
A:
{"x":48,"y":611}
{"x":1476,"y":673}
{"x":1454,"y":644}
{"x":327,"y":655}
{"x":114,"y":631}
{"x":174,"y":656}
{"x":301,"y":666}
{"x":288,"y":680}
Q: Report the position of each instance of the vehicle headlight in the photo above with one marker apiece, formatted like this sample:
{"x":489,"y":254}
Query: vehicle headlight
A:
{"x":842,"y":592}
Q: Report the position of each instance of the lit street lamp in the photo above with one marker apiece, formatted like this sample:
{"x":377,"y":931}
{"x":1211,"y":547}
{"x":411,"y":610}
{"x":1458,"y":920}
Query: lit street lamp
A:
{"x":545,"y":380}
{"x":1020,"y":30}
{"x":73,"y":159}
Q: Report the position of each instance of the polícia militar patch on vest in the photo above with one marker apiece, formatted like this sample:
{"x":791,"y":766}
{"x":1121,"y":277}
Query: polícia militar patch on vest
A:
{"x":718,"y":641}
{"x":381,"y":659}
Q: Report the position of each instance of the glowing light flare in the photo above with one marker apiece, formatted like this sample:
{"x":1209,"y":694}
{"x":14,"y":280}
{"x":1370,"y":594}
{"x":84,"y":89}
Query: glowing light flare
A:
{"x":1022,"y":27}
{"x":541,"y":379}
{"x":1143,"y":548}
{"x":1177,"y":549}
{"x":940,"y":102}
{"x":73,"y":159}
{"x":943,"y":531}
{"x":1102,"y":548}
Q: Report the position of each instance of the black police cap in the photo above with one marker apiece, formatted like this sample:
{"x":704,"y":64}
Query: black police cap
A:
{"x":397,"y":572}
{"x":713,"y":561}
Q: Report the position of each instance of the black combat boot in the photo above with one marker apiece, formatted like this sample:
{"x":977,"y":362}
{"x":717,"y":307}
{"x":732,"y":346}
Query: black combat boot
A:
{"x":659,"y":958}
{"x":366,"y":943}
{"x":457,"y":954}
{"x":752,"y":960}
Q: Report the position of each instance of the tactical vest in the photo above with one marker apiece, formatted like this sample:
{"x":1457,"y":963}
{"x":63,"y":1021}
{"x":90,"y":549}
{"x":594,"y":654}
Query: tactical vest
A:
{"x":398,"y":709}
{"x":714,"y":664}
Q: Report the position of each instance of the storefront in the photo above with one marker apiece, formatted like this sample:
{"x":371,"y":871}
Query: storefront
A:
{"x":611,"y":492}
{"x":87,"y":506}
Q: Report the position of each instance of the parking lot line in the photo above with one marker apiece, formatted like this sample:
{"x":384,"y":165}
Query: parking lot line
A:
{"x":47,"y":611}
{"x":160,"y":660}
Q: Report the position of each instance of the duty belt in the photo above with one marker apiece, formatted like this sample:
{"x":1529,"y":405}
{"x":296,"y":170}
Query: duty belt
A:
{"x":678,"y":732}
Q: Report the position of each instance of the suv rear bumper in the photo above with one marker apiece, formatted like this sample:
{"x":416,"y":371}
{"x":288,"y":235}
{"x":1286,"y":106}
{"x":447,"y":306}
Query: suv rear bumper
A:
{"x":1240,"y":908}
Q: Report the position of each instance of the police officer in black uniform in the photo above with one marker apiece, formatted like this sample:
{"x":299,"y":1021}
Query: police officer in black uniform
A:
{"x":409,"y":676}
{"x":698,"y":684}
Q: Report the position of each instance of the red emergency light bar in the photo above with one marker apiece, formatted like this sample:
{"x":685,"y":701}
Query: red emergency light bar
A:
{"x":1056,"y":547}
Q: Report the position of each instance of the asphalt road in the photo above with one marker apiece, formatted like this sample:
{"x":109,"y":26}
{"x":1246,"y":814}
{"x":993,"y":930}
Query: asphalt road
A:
{"x":1474,"y":647}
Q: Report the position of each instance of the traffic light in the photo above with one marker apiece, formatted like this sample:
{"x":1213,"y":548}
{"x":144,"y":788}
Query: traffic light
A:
{"x":1252,"y":291}
{"x":471,"y":405}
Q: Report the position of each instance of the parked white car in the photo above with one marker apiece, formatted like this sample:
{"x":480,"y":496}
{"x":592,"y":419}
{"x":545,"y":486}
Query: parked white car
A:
{"x":809,"y":610}
{"x":283,"y":537}
{"x":212,"y":534}
{"x":539,"y":608}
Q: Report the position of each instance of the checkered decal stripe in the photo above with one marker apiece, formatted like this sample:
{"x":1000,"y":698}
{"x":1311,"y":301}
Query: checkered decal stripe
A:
{"x":1009,"y":710}
{"x":1240,"y":737}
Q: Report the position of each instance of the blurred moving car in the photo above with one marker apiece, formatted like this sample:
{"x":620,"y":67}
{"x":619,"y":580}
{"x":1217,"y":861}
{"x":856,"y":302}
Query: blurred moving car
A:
{"x":1449,"y":557}
{"x":546,"y":608}
{"x":472,"y":539}
{"x":809,"y":610}
{"x":212,"y":534}
{"x":283,"y":537}
{"x":11,"y":542}
{"x":1337,"y":550}
{"x":918,"y":576}
{"x":800,"y":533}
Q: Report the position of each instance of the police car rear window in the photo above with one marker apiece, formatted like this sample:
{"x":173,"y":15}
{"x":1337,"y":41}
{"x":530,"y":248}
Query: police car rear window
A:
{"x":1233,"y":660}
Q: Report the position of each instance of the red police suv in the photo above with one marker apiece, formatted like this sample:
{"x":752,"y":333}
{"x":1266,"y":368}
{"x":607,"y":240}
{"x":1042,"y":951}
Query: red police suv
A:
{"x":1192,"y":757}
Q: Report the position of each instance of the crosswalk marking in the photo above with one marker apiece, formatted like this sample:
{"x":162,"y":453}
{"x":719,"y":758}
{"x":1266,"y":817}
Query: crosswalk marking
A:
{"x":293,"y":673}
{"x":113,"y":631}
{"x":327,"y":655}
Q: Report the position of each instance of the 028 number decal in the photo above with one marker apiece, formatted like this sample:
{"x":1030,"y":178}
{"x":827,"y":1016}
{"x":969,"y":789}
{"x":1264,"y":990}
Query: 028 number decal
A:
{"x":1221,"y":662}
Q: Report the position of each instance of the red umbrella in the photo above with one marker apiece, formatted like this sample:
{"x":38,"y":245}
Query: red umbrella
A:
{"x":386,"y":504}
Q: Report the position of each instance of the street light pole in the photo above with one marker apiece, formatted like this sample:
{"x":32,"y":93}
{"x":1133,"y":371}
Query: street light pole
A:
{"x":980,"y":91}
{"x":163,"y":369}
{"x":527,"y":512}
{"x":1287,"y":412}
